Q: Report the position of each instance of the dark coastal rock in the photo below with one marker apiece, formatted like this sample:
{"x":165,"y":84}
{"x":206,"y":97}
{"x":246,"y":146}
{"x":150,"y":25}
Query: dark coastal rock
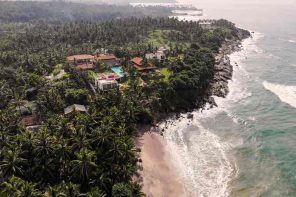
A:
{"x":223,"y":68}
{"x":190,"y":116}
{"x":212,"y":102}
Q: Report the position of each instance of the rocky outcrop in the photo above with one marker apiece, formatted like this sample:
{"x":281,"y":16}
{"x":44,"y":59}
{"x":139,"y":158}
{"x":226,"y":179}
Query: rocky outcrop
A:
{"x":223,"y":69}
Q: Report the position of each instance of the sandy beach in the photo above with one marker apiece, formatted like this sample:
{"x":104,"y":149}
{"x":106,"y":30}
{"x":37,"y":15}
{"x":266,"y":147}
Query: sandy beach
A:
{"x":160,"y":179}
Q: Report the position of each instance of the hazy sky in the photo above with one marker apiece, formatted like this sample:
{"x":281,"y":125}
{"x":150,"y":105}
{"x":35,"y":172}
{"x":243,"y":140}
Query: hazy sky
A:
{"x":259,"y":2}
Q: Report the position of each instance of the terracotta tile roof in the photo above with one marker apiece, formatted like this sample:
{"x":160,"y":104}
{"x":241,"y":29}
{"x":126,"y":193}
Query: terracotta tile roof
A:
{"x":79,"y":57}
{"x":137,"y":60}
{"x":138,"y":64}
{"x":84,"y":66}
{"x":106,"y":57}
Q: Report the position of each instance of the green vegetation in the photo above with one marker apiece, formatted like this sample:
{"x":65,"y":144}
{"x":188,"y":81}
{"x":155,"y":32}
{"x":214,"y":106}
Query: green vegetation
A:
{"x":157,"y":38}
{"x":162,"y":37}
{"x":166,"y":72}
{"x":91,"y":153}
{"x":62,"y":11}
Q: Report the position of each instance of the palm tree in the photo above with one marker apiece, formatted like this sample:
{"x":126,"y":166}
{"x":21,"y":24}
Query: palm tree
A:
{"x":83,"y":168}
{"x":63,"y":156}
{"x":12,"y":163}
{"x":64,"y":190}
{"x":44,"y":168}
{"x":79,"y":141}
{"x":43,"y":144}
{"x":95,"y":192}
{"x":101,"y":137}
{"x":19,"y":188}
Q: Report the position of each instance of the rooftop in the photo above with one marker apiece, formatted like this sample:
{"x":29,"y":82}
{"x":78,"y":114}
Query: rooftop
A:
{"x":104,"y":81}
{"x":85,"y":66}
{"x":139,"y":66}
{"x":137,"y":60}
{"x":106,"y":57}
{"x":80,"y":57}
{"x":75,"y":107}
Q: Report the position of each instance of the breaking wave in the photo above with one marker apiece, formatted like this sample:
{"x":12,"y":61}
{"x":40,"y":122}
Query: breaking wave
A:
{"x":201,"y":158}
{"x":286,"y":94}
{"x":199,"y":154}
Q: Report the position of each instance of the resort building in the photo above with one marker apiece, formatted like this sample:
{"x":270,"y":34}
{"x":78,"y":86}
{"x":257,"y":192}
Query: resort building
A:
{"x":160,"y":55}
{"x":108,"y":60}
{"x":75,"y":109}
{"x":138,"y":64}
{"x":83,"y":61}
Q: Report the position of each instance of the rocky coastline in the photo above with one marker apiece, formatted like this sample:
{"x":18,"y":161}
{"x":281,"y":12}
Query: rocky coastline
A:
{"x":223,"y":68}
{"x":155,"y":157}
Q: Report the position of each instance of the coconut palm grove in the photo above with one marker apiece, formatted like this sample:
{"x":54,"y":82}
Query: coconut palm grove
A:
{"x":75,"y":89}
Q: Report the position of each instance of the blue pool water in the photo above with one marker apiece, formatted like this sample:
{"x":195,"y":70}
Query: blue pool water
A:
{"x":118,"y":70}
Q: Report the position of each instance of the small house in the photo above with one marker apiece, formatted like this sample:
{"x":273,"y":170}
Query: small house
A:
{"x":140,"y":66}
{"x":106,"y":84}
{"x":74,"y":109}
{"x":83,"y":61}
{"x":160,"y":55}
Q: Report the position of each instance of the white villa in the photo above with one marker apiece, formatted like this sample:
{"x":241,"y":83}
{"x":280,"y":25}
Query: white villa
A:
{"x":159,"y":55}
{"x":106,"y":84}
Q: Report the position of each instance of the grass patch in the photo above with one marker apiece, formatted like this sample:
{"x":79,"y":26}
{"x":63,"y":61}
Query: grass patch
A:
{"x":93,"y":74}
{"x":166,"y":72}
{"x":160,"y":38}
{"x":157,"y":38}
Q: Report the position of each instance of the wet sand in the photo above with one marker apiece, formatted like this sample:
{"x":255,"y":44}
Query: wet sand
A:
{"x":160,"y":179}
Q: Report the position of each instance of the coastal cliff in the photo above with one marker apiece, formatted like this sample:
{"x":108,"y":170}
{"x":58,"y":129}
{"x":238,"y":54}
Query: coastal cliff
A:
{"x":223,"y":68}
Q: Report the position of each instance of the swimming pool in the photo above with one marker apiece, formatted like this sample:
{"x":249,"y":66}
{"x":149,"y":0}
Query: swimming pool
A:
{"x":118,"y":70}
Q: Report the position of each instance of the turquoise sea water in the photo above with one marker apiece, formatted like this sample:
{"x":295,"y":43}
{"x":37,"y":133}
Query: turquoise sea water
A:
{"x":246,"y":146}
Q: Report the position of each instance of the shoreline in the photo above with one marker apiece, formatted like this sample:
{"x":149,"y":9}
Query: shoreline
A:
{"x":223,"y":67}
{"x":158,"y":173}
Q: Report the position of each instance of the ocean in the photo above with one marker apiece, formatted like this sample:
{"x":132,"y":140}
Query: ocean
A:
{"x":246,"y":146}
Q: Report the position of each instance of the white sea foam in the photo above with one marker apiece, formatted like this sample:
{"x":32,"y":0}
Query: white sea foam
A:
{"x":201,"y":157}
{"x":285,"y":40}
{"x":286,"y":94}
{"x":199,"y":154}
